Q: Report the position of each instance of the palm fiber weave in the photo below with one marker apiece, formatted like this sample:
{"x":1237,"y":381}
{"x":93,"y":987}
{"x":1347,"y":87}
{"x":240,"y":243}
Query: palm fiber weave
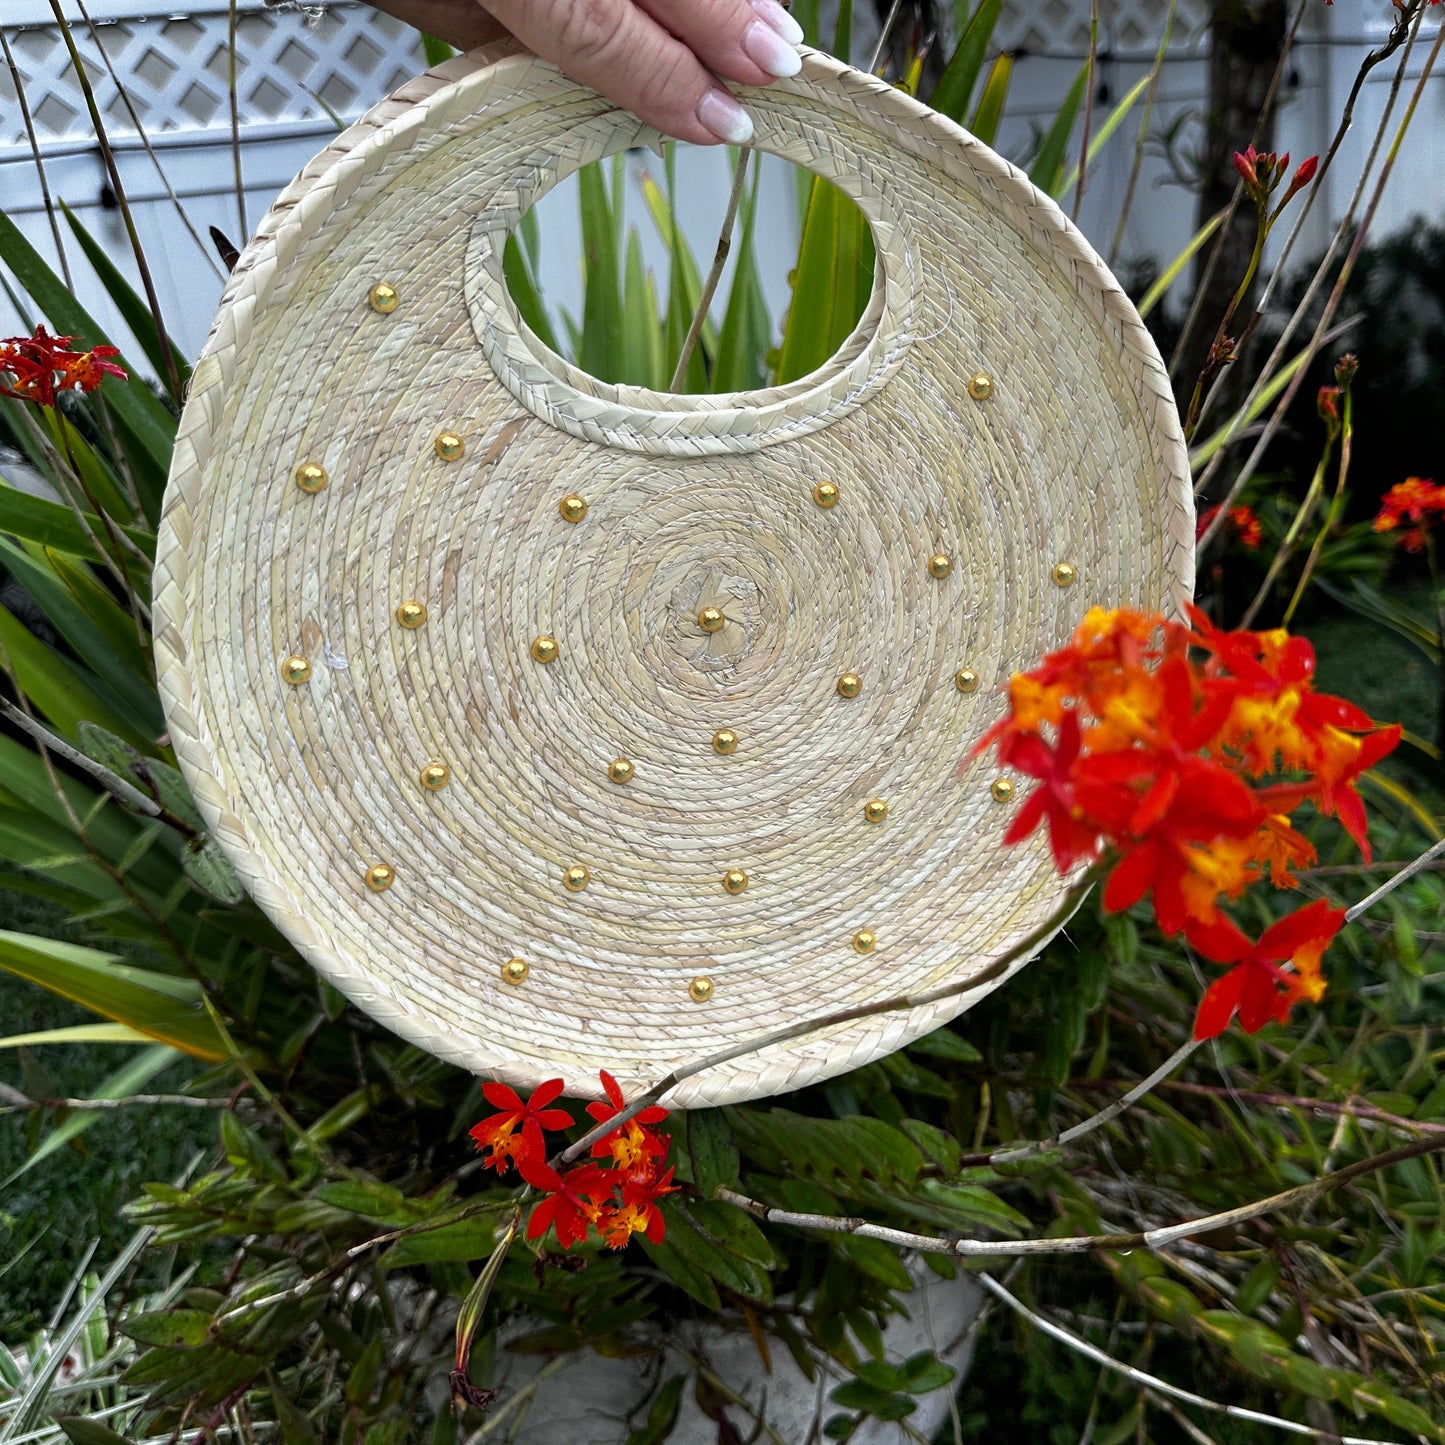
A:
{"x":1075,"y":456}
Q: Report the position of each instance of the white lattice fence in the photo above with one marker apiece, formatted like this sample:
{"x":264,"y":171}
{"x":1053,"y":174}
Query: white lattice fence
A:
{"x":1124,"y":25}
{"x":176,"y":71}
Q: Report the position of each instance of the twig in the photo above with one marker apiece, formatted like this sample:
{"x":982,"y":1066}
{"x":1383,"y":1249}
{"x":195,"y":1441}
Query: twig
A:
{"x":188,"y":1099}
{"x":1332,"y":304}
{"x":883,"y":35}
{"x":1403,"y":876}
{"x":111,"y":782}
{"x":709,"y":286}
{"x":1152,"y":1382}
{"x":1151,"y":1239}
{"x":1093,"y":60}
{"x":1284,"y":1101}
{"x":1104,"y":1116}
{"x":1025,"y":948}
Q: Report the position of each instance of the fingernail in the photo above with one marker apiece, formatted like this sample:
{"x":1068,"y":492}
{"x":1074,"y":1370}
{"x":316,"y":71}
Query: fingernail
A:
{"x":769,"y":51}
{"x":725,"y":118}
{"x":780,"y":20}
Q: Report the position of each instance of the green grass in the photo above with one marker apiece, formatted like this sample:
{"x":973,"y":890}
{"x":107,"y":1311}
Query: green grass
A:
{"x":50,"y":1215}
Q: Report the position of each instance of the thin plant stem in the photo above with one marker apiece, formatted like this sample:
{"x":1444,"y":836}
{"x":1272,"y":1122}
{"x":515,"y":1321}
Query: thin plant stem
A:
{"x":82,"y":77}
{"x":125,"y":1103}
{"x":1332,"y":304}
{"x":1093,"y":62}
{"x":18,"y":82}
{"x":1025,"y":948}
{"x":150,"y":150}
{"x":883,"y":35}
{"x":1152,"y":1239}
{"x":710,"y":285}
{"x":1104,"y":1116}
{"x":1156,"y":73}
{"x":1217,"y":250}
{"x":113,"y":783}
{"x":1286,"y":544}
{"x":1153,"y":1383}
{"x":235,"y":103}
{"x":1390,"y":884}
{"x":1337,"y":504}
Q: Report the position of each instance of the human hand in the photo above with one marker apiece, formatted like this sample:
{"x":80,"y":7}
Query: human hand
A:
{"x":660,"y":59}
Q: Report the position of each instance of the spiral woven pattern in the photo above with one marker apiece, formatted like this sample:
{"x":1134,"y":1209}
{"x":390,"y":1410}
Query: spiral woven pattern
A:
{"x":306,"y":713}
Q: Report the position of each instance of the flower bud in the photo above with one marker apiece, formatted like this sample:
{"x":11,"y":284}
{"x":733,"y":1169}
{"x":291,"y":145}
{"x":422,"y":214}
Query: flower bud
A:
{"x":1346,"y":367}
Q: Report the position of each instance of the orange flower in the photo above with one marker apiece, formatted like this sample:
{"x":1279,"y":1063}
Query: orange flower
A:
{"x":41,"y":365}
{"x":1186,"y":769}
{"x":513,"y":1135}
{"x":1417,"y":501}
{"x":1257,"y":987}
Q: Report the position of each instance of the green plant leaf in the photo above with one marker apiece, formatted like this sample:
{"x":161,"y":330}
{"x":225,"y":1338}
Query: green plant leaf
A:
{"x":1047,"y":171}
{"x":989,"y":111}
{"x":831,"y":282}
{"x":1105,"y":132}
{"x":154,"y":1004}
{"x":956,"y":84}
{"x":713,"y":1151}
{"x":134,"y":311}
{"x":78,"y":1034}
{"x":143,"y":416}
{"x":682,"y":1272}
{"x":128,"y":1079}
{"x":56,"y":686}
{"x":1176,"y":268}
{"x":462,"y":1240}
{"x":89,"y":1432}
{"x":601,"y":334}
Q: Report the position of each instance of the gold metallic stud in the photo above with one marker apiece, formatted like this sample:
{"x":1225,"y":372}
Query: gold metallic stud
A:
{"x":980,"y":386}
{"x":411,"y":614}
{"x":295,"y":669}
{"x":1063,"y":574}
{"x":435,"y":776}
{"x":711,"y":619}
{"x":725,"y":741}
{"x":620,"y":770}
{"x":939,"y":566}
{"x":734,"y":881}
{"x":544,"y":648}
{"x":850,"y":685}
{"x":875,"y":810}
{"x":572,"y":507}
{"x":966,"y":679}
{"x":449,"y":446}
{"x":576,"y":878}
{"x":515,"y":970}
{"x":383,"y":298}
{"x":863,"y":940}
{"x":1002,"y":790}
{"x":700,"y":989}
{"x":380,"y":877}
{"x":825,"y":494}
{"x":311,"y":477}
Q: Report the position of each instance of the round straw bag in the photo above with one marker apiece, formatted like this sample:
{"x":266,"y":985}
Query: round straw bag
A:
{"x":566,"y":726}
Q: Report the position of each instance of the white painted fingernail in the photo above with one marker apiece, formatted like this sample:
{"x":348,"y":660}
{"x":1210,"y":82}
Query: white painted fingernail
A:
{"x":780,"y":20}
{"x":725,"y":118}
{"x":769,"y":51}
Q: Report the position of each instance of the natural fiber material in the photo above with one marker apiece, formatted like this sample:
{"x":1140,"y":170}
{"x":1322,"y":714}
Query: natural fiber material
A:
{"x":692,"y":502}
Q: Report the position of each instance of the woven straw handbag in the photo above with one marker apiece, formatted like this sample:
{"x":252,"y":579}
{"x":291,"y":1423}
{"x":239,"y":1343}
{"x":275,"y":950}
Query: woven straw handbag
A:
{"x":566,"y":726}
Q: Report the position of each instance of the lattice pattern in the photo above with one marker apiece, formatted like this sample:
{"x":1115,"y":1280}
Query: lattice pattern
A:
{"x":176,"y":71}
{"x":1124,"y":25}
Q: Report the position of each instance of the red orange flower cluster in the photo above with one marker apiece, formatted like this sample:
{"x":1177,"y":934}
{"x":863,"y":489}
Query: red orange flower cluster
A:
{"x":1240,"y":522}
{"x":1415,"y":501}
{"x":616,"y":1192}
{"x":1177,"y":754}
{"x":1262,"y":171}
{"x":39,"y":367}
